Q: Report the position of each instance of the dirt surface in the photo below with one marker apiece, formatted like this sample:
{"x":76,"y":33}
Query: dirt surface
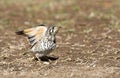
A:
{"x":88,"y":45}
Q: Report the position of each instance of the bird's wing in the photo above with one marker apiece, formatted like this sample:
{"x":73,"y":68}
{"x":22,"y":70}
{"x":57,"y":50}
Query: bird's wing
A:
{"x":34,"y":34}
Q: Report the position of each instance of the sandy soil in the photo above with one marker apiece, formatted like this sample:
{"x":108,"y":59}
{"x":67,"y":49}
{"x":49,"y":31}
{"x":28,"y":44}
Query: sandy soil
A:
{"x":88,"y":45}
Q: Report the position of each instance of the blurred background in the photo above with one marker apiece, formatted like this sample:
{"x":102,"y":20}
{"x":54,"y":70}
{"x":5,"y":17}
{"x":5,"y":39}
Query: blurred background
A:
{"x":88,"y":43}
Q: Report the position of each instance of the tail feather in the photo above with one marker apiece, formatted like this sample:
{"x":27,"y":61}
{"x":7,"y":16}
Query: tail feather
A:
{"x":20,"y":32}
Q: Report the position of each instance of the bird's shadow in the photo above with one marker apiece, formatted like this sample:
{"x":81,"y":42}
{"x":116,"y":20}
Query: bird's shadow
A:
{"x":47,"y":58}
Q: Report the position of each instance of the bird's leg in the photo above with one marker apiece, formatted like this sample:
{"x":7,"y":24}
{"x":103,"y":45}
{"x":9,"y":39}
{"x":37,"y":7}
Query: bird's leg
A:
{"x":42,"y":59}
{"x":34,"y":57}
{"x":38,"y":56}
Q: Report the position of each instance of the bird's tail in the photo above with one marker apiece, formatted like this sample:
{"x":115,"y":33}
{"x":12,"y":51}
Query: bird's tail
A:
{"x":20,"y":32}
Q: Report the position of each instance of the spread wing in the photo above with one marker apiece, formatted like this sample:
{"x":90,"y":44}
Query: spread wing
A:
{"x":33,"y":34}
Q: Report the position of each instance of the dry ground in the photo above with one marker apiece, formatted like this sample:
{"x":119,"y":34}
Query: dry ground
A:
{"x":88,"y":43}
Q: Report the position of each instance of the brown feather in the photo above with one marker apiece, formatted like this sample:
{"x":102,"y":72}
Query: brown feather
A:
{"x":28,"y":31}
{"x":37,"y":32}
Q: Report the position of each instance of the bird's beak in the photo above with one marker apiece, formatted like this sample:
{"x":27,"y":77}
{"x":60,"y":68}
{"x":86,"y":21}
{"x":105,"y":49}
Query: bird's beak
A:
{"x":56,"y":29}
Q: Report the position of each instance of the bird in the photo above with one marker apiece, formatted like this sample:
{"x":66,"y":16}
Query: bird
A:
{"x":42,"y":39}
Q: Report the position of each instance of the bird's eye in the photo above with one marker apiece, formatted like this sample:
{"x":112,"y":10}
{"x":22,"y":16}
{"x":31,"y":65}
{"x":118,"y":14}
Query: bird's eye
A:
{"x":51,"y":30}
